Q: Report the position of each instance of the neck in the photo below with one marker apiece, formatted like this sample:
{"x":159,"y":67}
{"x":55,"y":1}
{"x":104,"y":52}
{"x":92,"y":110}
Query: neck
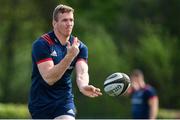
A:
{"x":142,"y":85}
{"x":62,"y":39}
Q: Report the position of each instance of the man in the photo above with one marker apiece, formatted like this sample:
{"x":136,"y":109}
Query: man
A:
{"x":54,"y":55}
{"x":143,"y":97}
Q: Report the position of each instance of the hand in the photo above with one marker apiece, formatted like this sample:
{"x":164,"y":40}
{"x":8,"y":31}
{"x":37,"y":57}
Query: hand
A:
{"x":91,"y":91}
{"x":73,"y":50}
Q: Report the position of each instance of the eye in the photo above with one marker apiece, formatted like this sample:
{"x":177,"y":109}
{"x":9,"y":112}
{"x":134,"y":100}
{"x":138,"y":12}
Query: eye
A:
{"x":65,"y":20}
{"x":71,"y":20}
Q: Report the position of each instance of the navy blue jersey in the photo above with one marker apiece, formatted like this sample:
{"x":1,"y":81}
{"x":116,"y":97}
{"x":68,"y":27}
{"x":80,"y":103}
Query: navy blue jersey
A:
{"x":139,"y":100}
{"x":43,"y":97}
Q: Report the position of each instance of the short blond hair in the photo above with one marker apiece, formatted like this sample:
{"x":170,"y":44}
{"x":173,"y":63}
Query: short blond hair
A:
{"x":61,"y":9}
{"x":136,"y":73}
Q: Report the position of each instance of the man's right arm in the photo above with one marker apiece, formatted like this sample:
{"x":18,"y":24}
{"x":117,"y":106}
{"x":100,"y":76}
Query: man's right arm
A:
{"x":52,"y":73}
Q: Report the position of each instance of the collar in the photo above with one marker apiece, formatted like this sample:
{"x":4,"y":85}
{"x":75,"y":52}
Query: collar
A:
{"x":55,"y":39}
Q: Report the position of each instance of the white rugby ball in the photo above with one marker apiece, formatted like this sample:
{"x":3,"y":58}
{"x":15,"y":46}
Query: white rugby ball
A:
{"x":116,"y":84}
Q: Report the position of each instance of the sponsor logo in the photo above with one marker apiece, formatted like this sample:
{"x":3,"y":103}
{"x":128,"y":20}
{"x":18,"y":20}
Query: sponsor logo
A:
{"x":54,"y":53}
{"x":71,"y":111}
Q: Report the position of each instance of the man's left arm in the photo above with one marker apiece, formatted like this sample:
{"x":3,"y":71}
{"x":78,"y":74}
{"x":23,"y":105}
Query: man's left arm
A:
{"x":154,"y":105}
{"x":82,"y":79}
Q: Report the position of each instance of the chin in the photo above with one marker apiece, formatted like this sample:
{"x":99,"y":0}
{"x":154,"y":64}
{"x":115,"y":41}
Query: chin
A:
{"x":68,"y":34}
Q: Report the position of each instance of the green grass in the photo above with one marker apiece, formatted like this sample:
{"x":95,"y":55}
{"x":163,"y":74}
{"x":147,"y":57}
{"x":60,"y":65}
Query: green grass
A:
{"x":14,"y":111}
{"x":20,"y":111}
{"x":168,"y":114}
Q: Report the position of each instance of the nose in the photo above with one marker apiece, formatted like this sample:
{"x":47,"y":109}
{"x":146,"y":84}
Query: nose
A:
{"x":69,"y":23}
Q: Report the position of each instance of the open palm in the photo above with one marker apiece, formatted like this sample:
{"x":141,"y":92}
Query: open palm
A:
{"x":91,"y":91}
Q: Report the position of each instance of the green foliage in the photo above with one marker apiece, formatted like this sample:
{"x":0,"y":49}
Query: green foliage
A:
{"x":103,"y":60}
{"x":102,"y":50}
{"x":154,"y":56}
{"x":14,"y":111}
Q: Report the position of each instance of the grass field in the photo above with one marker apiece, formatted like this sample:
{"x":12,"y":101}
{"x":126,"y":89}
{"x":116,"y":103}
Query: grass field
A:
{"x":20,"y":111}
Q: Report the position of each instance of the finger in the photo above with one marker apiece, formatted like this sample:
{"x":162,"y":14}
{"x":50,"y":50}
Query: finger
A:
{"x":68,"y":44}
{"x":95,"y":91}
{"x":92,"y":88}
{"x":97,"y":94}
{"x":76,"y":41}
{"x":93,"y":95}
{"x":98,"y":91}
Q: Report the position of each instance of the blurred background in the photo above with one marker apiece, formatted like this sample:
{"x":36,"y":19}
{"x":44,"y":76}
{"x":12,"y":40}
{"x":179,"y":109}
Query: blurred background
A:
{"x":121,"y":35}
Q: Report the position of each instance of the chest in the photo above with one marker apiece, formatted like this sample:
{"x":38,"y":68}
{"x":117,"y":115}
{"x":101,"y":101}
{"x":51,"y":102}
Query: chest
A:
{"x":138,"y":97}
{"x":58,"y":52}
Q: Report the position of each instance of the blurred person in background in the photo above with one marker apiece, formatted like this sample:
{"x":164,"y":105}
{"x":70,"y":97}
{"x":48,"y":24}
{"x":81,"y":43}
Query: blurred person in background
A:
{"x":54,"y":56}
{"x":144,"y":99}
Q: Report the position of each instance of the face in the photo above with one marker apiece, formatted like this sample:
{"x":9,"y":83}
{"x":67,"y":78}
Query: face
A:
{"x":137,"y":82}
{"x":64,"y":24}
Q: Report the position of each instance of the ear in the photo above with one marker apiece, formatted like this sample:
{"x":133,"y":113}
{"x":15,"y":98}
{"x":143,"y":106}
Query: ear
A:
{"x":54,"y":23}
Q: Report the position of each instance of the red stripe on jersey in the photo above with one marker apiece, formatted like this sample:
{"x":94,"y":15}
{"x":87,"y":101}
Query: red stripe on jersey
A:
{"x":81,"y":59}
{"x":44,"y":60}
{"x":48,"y":39}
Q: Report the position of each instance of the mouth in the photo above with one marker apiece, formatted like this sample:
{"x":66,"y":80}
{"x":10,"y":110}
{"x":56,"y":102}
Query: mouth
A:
{"x":69,"y":29}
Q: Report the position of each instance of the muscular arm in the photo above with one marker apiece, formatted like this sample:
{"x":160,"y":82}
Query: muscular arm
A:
{"x":52,"y":73}
{"x":153,"y":103}
{"x":82,"y":79}
{"x":82,"y":76}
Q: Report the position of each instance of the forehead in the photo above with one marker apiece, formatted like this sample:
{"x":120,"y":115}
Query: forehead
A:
{"x":66,"y":15}
{"x":135,"y":77}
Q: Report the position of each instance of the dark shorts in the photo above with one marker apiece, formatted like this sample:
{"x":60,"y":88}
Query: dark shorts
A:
{"x":53,"y":111}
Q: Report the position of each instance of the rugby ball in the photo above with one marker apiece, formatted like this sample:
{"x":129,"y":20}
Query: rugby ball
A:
{"x":116,"y":84}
